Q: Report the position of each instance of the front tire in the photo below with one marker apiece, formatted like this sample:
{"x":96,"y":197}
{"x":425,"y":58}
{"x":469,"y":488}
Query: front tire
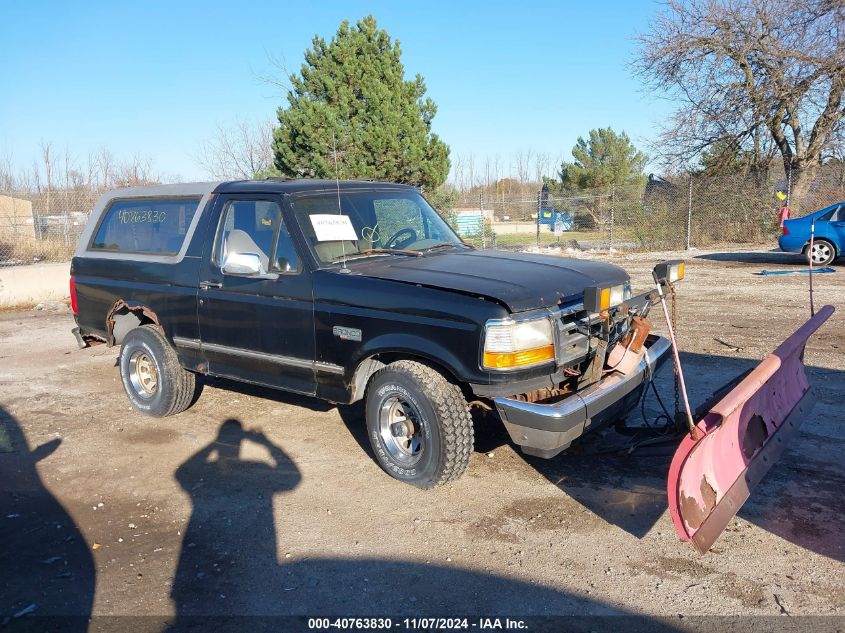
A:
{"x":822,"y":254}
{"x":419,"y":425}
{"x":154,"y":381}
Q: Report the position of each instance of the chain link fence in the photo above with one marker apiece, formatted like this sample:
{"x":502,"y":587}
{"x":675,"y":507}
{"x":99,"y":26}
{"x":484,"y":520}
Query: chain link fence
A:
{"x":42,"y":226}
{"x":661,"y":214}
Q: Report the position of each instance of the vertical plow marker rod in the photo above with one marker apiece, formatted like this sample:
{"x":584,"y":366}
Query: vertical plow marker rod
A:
{"x":812,"y":239}
{"x":741,"y":437}
{"x":693,"y":431}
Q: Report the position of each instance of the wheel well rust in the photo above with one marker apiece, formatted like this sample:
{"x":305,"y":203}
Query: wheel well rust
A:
{"x":124,"y":316}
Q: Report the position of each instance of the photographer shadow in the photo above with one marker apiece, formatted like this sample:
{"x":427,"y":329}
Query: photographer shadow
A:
{"x":47,"y":569}
{"x":229,"y":546}
{"x":229,"y":568}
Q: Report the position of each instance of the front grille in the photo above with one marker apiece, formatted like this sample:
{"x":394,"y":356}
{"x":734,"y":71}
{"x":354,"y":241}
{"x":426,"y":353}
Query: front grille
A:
{"x":577,"y":335}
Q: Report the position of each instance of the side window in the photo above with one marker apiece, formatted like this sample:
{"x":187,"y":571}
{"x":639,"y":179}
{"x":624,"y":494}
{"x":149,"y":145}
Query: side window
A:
{"x":150,"y":226}
{"x":830,"y":215}
{"x":285,"y":257}
{"x":255,"y":226}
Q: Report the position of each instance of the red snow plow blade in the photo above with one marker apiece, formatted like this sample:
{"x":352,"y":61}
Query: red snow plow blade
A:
{"x":740,"y":438}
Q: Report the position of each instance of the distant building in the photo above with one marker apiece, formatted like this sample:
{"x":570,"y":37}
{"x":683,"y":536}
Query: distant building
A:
{"x":16,"y":218}
{"x":656,"y":184}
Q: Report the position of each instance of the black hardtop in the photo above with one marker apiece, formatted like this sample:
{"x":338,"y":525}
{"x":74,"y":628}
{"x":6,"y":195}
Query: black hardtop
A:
{"x":303,"y":185}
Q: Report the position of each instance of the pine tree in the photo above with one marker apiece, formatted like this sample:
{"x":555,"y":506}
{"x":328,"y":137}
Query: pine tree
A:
{"x":351,"y":95}
{"x":606,"y":158}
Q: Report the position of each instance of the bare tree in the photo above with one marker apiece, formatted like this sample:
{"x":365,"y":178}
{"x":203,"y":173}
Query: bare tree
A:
{"x":137,"y":171}
{"x":243,"y":150}
{"x":7,"y":176}
{"x":486,"y":182}
{"x":542,"y":166}
{"x":754,"y":73}
{"x":457,"y":174}
{"x":48,"y":160}
{"x":522,"y":163}
{"x":472,"y":178}
{"x":102,"y":165}
{"x":278,"y":78}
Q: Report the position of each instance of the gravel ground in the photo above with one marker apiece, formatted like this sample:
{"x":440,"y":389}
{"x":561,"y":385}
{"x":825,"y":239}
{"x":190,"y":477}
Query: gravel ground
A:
{"x":106,"y":512}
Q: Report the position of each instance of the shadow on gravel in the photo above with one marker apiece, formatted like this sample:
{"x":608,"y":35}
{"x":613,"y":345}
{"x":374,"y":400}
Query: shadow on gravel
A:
{"x":229,"y":547}
{"x":229,"y":565}
{"x":268,"y":393}
{"x":757,"y":257}
{"x":353,"y":417}
{"x":46,"y":567}
{"x":628,"y":491}
{"x":799,"y":500}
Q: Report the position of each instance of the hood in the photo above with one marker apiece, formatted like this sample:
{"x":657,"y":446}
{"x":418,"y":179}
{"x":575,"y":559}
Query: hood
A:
{"x":521,"y":281}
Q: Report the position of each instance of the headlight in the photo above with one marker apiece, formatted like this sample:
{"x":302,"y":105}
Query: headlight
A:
{"x":600,"y":298}
{"x":671,"y":271}
{"x":512,"y":344}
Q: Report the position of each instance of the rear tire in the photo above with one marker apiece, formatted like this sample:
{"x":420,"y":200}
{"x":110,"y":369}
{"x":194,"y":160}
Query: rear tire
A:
{"x":419,"y":425}
{"x":823,"y":253}
{"x":154,"y":380}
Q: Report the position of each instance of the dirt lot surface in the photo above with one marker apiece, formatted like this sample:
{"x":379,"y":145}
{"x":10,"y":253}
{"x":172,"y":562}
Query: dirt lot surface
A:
{"x":107,"y":512}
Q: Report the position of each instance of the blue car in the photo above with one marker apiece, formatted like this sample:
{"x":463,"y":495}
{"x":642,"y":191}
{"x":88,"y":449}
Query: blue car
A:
{"x":829,"y":242}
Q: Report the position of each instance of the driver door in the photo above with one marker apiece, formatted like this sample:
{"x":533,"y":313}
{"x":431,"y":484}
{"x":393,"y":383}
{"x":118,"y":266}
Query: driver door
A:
{"x":256,"y":326}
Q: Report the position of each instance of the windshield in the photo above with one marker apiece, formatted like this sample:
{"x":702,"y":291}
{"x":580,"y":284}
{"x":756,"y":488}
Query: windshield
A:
{"x":370,"y":223}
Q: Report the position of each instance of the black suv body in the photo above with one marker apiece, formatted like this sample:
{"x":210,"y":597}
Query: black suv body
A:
{"x":357,"y":290}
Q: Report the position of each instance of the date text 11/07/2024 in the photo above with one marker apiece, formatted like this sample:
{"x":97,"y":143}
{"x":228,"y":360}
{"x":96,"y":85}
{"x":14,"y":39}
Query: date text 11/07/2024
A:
{"x":417,"y":624}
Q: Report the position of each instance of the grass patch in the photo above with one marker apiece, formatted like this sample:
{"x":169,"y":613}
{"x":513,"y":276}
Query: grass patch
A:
{"x":527,"y":240}
{"x":26,"y":249}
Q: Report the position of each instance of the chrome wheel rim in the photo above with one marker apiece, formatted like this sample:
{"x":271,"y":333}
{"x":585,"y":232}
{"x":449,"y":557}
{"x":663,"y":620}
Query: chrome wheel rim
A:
{"x":143,"y":374}
{"x":820,"y":253}
{"x":400,"y":430}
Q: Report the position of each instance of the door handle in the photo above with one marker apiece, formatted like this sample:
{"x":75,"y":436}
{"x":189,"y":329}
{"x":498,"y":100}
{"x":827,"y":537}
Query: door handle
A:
{"x":205,"y":285}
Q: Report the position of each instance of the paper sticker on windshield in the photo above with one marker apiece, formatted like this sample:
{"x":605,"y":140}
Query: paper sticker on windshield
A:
{"x":333,"y":228}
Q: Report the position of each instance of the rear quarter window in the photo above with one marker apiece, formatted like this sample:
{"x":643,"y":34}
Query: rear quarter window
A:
{"x":155,"y":226}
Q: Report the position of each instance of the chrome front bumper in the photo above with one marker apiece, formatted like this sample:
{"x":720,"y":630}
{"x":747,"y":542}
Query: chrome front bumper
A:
{"x":544,"y":430}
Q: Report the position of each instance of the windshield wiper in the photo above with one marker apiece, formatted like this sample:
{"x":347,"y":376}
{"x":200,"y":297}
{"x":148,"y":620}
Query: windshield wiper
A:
{"x":442,"y":245}
{"x":378,"y":251}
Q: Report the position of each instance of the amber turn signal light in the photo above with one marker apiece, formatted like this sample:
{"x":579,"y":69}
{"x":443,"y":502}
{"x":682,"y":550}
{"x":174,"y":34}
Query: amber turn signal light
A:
{"x":506,"y":360}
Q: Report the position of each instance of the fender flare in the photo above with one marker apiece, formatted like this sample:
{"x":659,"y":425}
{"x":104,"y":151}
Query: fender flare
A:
{"x":366,"y":361}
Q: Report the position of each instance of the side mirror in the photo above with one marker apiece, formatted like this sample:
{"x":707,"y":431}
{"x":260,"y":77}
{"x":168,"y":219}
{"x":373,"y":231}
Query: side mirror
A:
{"x":242,"y":264}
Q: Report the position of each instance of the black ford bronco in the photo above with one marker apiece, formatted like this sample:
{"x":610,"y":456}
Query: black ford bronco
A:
{"x":358,"y":290}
